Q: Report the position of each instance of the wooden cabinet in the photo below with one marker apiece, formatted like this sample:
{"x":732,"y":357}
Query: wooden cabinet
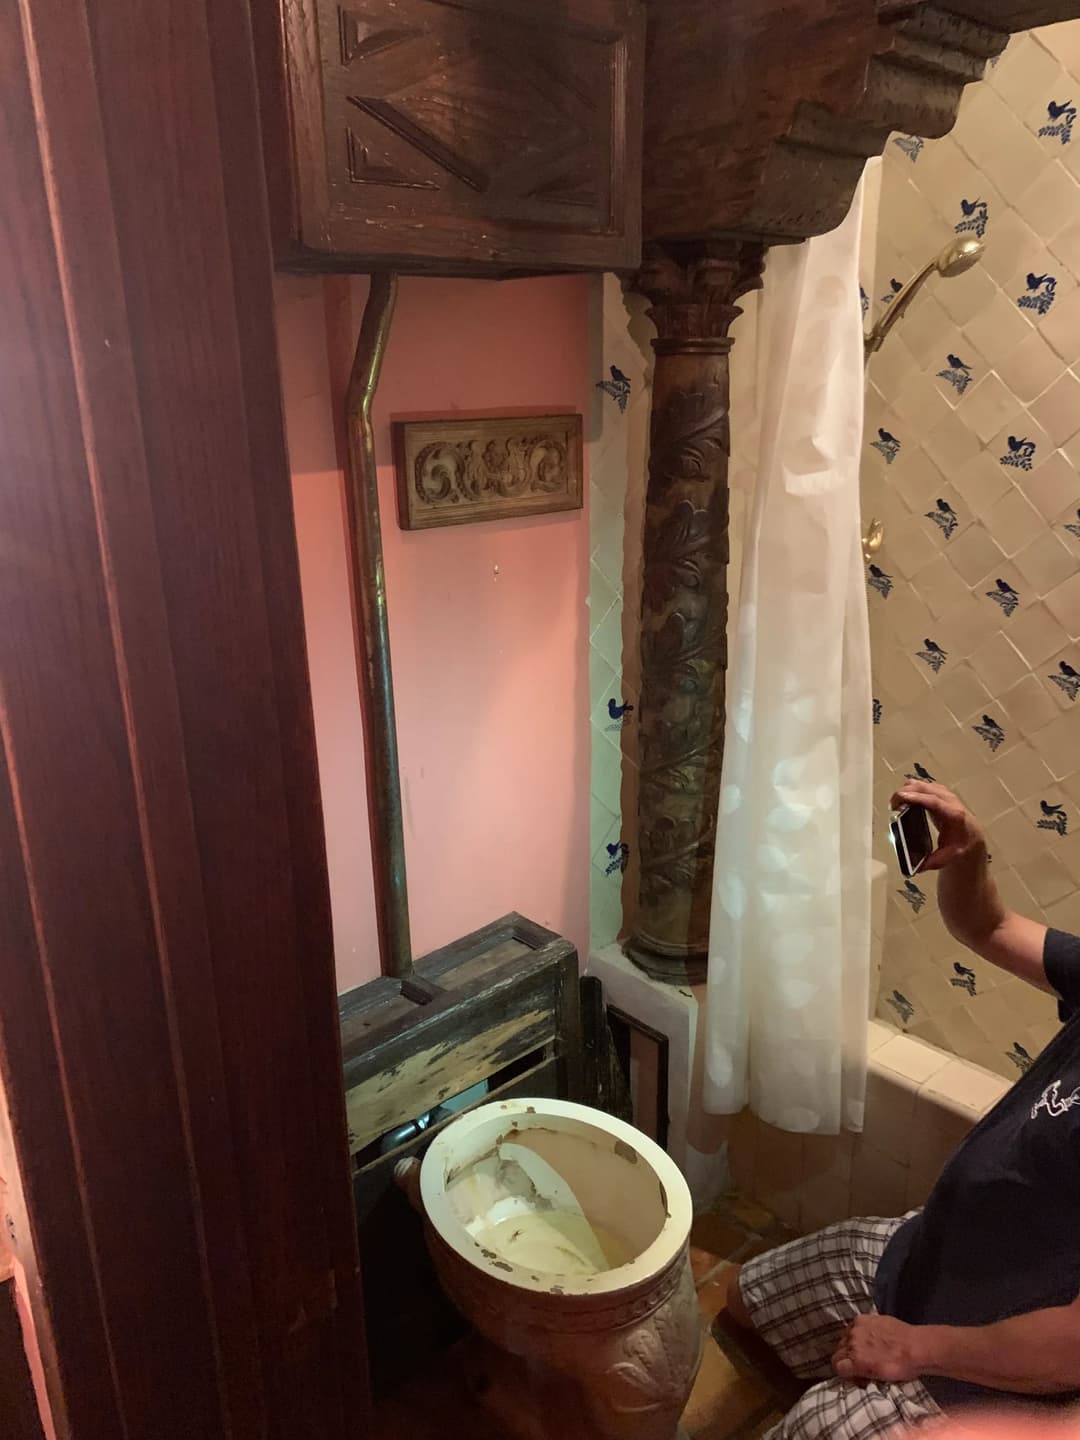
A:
{"x":463,"y":137}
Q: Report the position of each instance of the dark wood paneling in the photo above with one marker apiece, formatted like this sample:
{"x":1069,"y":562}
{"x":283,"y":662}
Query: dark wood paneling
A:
{"x":464,"y":138}
{"x":19,"y":1418}
{"x":168,"y":1029}
{"x":760,"y":114}
{"x":723,"y":83}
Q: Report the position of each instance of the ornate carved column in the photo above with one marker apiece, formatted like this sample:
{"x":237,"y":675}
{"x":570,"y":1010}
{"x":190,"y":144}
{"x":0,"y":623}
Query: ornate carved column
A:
{"x":692,"y":287}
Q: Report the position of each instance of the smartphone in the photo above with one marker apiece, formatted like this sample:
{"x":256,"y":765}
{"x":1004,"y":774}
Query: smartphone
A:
{"x":911,"y":838}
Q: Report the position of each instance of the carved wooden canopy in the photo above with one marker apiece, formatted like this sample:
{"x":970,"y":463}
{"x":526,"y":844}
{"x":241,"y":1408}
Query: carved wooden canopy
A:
{"x":759,"y":114}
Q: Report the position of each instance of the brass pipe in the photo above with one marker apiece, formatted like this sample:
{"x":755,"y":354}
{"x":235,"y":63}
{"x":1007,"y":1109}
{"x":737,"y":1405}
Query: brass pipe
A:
{"x":372,"y":633}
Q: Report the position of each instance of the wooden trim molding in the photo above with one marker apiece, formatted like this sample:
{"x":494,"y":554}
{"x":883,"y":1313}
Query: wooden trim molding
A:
{"x":168,"y":1041}
{"x":21,"y":1419}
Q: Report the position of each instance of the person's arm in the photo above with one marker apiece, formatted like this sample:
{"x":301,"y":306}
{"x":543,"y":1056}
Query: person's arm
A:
{"x":1034,"y":1354}
{"x":973,"y":911}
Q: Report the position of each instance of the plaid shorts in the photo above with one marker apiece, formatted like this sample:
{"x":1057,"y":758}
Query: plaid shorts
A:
{"x":801,"y":1299}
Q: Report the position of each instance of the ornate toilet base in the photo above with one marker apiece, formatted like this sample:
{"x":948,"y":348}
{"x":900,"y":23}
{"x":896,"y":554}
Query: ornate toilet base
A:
{"x":582,"y":1372}
{"x":566,"y":1358}
{"x":526,"y":1401}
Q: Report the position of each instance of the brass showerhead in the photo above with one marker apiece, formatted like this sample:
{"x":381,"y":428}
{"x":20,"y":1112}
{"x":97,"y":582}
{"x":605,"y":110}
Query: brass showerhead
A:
{"x":954,"y":259}
{"x":959,"y":256}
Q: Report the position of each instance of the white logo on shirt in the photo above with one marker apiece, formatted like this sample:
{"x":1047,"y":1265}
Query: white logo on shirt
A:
{"x":1052,"y":1101}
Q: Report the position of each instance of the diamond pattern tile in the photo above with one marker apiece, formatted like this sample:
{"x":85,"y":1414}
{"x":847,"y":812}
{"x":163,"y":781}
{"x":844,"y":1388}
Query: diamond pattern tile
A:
{"x":976,"y":540}
{"x":616,"y":454}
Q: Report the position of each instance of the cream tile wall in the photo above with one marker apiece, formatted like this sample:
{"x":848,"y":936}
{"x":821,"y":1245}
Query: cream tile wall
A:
{"x":920,"y":1103}
{"x":971,"y":451}
{"x":618,"y":434}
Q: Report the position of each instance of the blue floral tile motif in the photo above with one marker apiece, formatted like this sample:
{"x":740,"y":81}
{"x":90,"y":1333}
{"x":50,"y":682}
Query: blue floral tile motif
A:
{"x":864,"y":302}
{"x":1067,"y":679}
{"x":990,"y":731}
{"x":619,"y":713}
{"x":887,"y":445}
{"x":964,"y":979}
{"x":902,"y":1005}
{"x":975,"y":216}
{"x":618,"y":387}
{"x":1020,"y":454}
{"x":913,"y":895}
{"x":879,"y":581}
{"x":920,"y":772}
{"x":619,"y":852}
{"x":957,"y":373}
{"x":944,"y":517}
{"x":1054,"y":817}
{"x":1021,"y":1058}
{"x":1004,"y":595}
{"x":1060,"y":120}
{"x":909,"y":145}
{"x":1072,"y":526}
{"x":894,"y":289}
{"x":876,"y":711}
{"x":1040,"y":294}
{"x":933,"y":655}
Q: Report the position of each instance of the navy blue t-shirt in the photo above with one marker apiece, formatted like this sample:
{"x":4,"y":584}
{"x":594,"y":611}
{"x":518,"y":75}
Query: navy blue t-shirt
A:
{"x":1000,"y":1233}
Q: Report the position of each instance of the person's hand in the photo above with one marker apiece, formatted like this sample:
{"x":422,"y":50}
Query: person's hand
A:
{"x":878,"y":1347}
{"x":959,"y":833}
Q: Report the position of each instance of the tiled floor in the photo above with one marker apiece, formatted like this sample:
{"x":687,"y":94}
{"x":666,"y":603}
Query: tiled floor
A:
{"x":730,"y":1401}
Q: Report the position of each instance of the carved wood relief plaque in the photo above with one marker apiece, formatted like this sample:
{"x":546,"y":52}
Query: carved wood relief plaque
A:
{"x":460,"y":470}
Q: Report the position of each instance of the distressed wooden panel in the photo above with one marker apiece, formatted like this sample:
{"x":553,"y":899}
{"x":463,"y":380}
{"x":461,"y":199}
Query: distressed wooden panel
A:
{"x":460,"y":469}
{"x":455,"y":1052}
{"x":410,"y":1318}
{"x":505,"y":995}
{"x":492,"y":997}
{"x":466,"y":135}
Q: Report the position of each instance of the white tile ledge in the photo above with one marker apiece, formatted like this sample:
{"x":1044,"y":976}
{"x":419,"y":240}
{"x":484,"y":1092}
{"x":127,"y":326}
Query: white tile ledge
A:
{"x":921,"y":1102}
{"x":943,"y":1080}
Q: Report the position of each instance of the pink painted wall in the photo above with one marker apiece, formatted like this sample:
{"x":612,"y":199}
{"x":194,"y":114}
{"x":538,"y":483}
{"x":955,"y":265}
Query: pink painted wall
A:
{"x":12,"y":1266}
{"x":489,"y":626}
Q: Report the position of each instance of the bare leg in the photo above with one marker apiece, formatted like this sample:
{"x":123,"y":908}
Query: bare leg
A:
{"x":734,"y":1306}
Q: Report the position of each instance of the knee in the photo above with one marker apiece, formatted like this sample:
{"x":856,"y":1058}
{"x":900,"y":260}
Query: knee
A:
{"x":734,"y":1303}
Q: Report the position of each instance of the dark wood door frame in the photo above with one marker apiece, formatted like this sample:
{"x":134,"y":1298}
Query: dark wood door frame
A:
{"x":168,"y":1029}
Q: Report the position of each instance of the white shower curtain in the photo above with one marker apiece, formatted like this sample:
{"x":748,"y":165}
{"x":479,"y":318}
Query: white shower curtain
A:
{"x":789,"y":948}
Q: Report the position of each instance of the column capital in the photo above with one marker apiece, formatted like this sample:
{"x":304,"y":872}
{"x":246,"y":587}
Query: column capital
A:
{"x":692,"y":287}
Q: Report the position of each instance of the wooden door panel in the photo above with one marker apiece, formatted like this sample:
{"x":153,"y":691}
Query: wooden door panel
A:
{"x":168,"y":1031}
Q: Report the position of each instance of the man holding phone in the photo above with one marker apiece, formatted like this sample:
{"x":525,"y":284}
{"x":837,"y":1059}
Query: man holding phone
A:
{"x":974,"y":1299}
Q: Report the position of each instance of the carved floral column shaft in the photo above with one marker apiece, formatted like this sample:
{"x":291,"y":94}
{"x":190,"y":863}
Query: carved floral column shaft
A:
{"x":692,"y":287}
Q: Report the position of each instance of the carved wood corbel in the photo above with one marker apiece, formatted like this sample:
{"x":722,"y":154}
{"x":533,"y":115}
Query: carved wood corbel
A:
{"x":692,"y":289}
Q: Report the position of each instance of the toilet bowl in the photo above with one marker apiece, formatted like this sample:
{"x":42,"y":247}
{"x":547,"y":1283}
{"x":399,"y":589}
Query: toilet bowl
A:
{"x":562,"y":1235}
